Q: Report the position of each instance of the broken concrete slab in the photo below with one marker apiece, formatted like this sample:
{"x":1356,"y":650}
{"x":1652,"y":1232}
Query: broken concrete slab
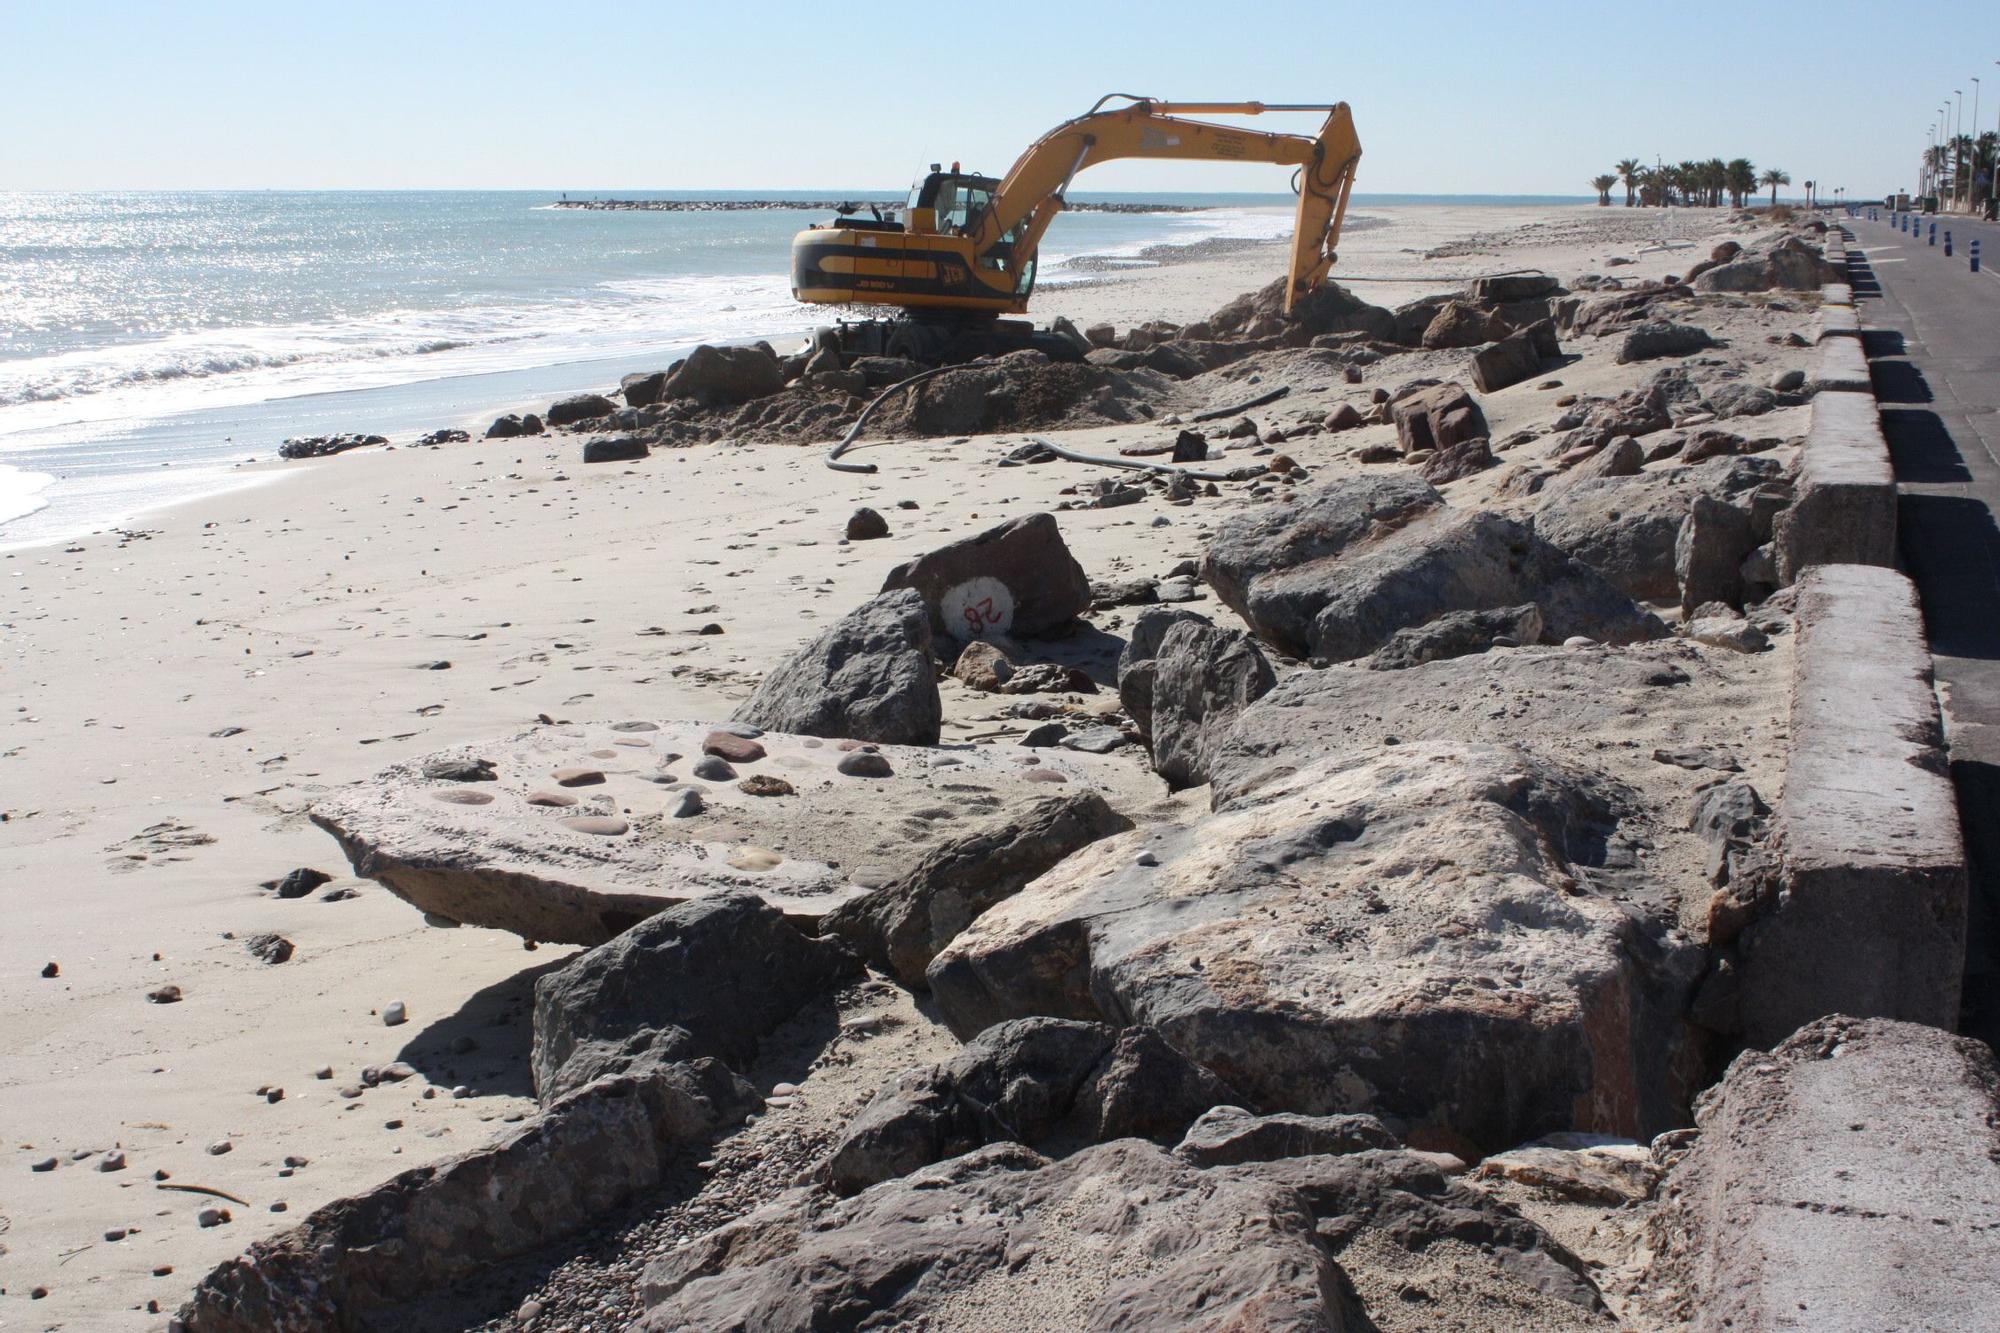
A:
{"x":1403,"y":921}
{"x":1845,"y":510}
{"x":901,"y":926}
{"x":1845,"y":1182}
{"x":356,"y":1262}
{"x":1335,"y":575}
{"x":578,"y":865}
{"x":1126,"y":1236}
{"x":1870,"y":910}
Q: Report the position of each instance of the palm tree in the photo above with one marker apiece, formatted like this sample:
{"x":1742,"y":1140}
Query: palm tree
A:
{"x":1652,"y":187}
{"x":1603,"y":184}
{"x":1774,"y":178}
{"x":1628,"y":171}
{"x":1687,"y":180}
{"x":1714,"y":176}
{"x":1742,"y":179}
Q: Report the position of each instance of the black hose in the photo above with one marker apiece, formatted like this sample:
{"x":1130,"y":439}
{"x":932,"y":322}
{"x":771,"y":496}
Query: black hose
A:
{"x":833,"y":454}
{"x":1140,"y":465}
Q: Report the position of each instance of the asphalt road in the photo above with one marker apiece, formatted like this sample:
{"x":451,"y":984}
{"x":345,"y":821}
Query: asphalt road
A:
{"x":1933,"y":344}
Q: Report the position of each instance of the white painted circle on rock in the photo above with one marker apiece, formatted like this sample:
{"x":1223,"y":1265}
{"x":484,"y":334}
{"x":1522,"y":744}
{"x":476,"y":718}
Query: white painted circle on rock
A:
{"x":978,"y":607}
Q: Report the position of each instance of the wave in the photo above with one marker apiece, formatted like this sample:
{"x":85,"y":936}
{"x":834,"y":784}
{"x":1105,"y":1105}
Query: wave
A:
{"x":21,"y":492}
{"x":230,"y":367}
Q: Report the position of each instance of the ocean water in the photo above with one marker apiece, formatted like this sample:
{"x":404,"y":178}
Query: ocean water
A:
{"x":152,"y":342}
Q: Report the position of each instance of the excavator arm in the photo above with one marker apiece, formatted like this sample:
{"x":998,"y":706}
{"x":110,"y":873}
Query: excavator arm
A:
{"x":1033,"y":191}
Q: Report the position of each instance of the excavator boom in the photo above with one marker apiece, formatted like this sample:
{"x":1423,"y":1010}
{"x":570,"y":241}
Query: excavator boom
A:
{"x":1033,"y":191}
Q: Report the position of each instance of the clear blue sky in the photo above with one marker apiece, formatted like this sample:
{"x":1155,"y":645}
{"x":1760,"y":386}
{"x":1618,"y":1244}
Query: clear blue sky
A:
{"x":599,"y":95}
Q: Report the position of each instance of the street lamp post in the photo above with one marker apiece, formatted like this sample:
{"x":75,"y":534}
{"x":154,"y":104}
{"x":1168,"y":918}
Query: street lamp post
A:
{"x":1957,"y":157}
{"x":1973,"y":181}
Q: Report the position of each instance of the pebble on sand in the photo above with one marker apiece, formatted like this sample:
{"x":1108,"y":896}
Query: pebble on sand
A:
{"x":395,"y":1013}
{"x":165,"y":995}
{"x":865,"y":764}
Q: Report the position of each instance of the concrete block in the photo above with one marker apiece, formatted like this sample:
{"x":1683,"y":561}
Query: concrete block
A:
{"x":1838,"y":321}
{"x":1841,"y":365}
{"x":1845,"y":1182}
{"x":1869,"y":913}
{"x":1845,"y":512}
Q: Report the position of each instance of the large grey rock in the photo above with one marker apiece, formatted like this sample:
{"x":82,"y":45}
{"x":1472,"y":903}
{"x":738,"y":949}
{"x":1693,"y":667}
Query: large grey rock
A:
{"x":1122,"y":1237}
{"x":1018,"y":578}
{"x":1227,"y":1135}
{"x":1445,"y":562}
{"x":1337,"y":573}
{"x":1202,"y":678}
{"x":1457,"y":324}
{"x":1138,"y":660}
{"x":580,"y":407}
{"x":1868,"y":913}
{"x":1709,"y":551}
{"x":1271,"y":565}
{"x":1457,"y":634}
{"x":1846,"y":1181}
{"x":579,"y":864}
{"x":1626,"y":527}
{"x":901,"y":926}
{"x":643,"y":388}
{"x":359,"y":1261}
{"x":707,"y":978}
{"x":725,"y":376}
{"x":1485,"y":1003}
{"x":1050,"y":1083}
{"x":1790,"y":264}
{"x":869,"y":677}
{"x":1436,"y":417}
{"x":1662,"y":338}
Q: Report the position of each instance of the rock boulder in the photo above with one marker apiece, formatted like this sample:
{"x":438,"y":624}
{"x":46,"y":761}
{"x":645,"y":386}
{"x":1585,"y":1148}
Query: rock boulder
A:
{"x":725,"y":376}
{"x":1202,"y":678}
{"x":1472,"y":993}
{"x":901,"y":926}
{"x":867,"y":677}
{"x":1018,"y":578}
{"x":706,"y":978}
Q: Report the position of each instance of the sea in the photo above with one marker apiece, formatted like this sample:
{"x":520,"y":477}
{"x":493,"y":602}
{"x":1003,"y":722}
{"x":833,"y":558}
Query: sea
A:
{"x":151,"y":343}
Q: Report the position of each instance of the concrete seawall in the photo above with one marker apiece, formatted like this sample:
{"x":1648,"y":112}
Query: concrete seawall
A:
{"x":1846,"y":507}
{"x":1869,"y":914}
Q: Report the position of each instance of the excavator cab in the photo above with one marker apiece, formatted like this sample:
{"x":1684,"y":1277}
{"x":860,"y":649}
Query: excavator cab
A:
{"x":950,"y":203}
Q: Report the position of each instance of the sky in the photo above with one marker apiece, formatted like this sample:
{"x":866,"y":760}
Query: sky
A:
{"x":597,"y":95}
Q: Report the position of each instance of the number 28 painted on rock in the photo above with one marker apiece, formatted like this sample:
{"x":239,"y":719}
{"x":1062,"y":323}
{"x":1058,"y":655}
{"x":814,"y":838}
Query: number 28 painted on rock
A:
{"x":978,"y":607}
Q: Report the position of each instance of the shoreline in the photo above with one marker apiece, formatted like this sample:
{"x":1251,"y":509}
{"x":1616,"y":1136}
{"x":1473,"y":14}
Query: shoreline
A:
{"x":1108,"y":290}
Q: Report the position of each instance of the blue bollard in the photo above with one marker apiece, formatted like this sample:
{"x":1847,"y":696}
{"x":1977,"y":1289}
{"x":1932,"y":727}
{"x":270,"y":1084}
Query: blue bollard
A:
{"x":1947,"y":242}
{"x":1933,"y":239}
{"x":1975,"y":254}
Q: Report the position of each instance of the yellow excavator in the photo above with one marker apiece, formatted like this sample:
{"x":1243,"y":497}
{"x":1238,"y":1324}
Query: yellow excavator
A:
{"x":963,"y":254}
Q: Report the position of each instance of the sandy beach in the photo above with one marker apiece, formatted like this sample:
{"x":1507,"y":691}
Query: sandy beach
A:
{"x":182,"y":691}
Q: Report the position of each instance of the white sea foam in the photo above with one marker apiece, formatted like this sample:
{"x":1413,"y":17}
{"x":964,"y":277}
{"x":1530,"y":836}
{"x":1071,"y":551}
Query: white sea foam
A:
{"x":186,"y":371}
{"x":21,"y":492}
